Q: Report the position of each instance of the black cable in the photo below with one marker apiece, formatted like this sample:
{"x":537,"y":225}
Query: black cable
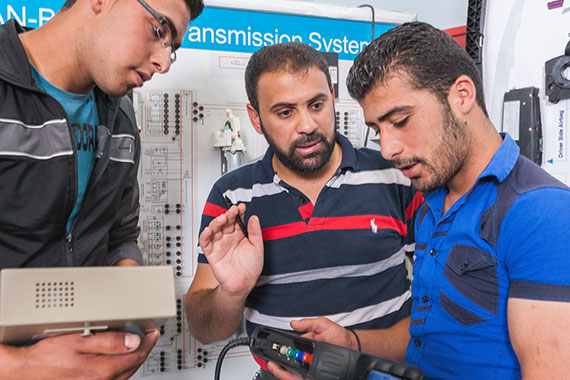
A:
{"x":244,"y":341}
{"x":373,"y":18}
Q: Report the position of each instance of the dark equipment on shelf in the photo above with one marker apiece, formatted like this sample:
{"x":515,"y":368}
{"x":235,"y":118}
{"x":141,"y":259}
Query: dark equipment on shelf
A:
{"x":557,"y":77}
{"x":521,"y":117}
{"x":474,"y":31}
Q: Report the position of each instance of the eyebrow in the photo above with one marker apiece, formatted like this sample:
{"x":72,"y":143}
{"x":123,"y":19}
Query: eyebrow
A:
{"x":393,"y":111}
{"x":319,"y":96}
{"x":172,"y":30}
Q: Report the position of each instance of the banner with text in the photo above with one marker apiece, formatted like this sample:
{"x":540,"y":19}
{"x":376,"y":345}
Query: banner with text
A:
{"x":237,"y":30}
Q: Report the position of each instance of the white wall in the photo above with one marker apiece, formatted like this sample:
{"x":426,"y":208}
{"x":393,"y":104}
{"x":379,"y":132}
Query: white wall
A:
{"x":443,"y":14}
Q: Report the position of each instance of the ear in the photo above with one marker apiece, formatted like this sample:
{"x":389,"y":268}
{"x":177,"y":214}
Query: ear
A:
{"x":254,"y":118}
{"x":462,"y":95}
{"x":96,"y":6}
{"x":332,"y":93}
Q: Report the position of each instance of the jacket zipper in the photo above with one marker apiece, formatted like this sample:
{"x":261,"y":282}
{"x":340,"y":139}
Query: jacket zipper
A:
{"x":69,"y":236}
{"x":71,"y":261}
{"x":69,"y":246}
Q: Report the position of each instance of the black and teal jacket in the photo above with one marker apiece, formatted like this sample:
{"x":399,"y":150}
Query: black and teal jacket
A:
{"x":38,"y":174}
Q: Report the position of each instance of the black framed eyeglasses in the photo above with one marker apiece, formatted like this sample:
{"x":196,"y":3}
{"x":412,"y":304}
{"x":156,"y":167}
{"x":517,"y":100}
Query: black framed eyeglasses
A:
{"x":163,"y":32}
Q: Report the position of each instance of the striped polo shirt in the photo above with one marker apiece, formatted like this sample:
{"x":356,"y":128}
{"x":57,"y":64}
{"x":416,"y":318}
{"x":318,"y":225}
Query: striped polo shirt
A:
{"x":343,"y":257}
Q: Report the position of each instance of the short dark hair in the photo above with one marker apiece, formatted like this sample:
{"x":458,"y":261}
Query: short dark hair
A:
{"x":429,"y":56}
{"x":196,"y":7}
{"x":293,"y":57}
{"x":67,"y":5}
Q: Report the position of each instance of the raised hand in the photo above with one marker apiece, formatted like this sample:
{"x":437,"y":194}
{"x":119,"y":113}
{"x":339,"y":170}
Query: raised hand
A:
{"x":236,"y":261}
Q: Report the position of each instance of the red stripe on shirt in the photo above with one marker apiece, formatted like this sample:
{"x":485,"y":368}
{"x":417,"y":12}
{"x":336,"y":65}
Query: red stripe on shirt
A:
{"x":358,"y":222}
{"x":307,"y":210}
{"x":335,"y":223}
{"x":213,"y":210}
{"x":414,"y":205}
{"x":283,"y":231}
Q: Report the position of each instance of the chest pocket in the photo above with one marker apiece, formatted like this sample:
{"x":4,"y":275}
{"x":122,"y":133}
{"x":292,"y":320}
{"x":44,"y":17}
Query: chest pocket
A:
{"x":123,"y":148}
{"x":473,"y":272}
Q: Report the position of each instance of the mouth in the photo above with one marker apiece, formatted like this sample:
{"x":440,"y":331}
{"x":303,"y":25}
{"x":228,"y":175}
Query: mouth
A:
{"x":141,"y":78}
{"x":308,"y":148}
{"x":410,"y":170}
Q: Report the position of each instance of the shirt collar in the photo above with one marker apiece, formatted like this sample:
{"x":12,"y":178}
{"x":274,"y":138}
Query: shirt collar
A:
{"x":503,"y":160}
{"x":348,"y":153}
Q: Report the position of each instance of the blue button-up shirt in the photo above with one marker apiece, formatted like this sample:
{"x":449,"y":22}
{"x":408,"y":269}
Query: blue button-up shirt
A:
{"x":468,"y":263}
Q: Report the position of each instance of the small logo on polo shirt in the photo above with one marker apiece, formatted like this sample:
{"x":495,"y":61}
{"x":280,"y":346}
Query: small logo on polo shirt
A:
{"x":373,"y":225}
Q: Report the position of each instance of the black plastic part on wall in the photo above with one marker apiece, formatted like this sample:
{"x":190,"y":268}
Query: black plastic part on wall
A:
{"x":474,"y":31}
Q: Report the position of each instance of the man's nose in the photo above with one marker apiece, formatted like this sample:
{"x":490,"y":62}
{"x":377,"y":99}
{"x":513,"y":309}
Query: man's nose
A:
{"x":306,"y":123}
{"x":390,"y":146}
{"x":160,"y":59}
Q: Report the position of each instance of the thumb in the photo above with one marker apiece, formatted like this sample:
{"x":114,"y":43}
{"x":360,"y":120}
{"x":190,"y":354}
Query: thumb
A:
{"x":254,"y":231}
{"x":302,"y":325}
{"x":108,"y":343}
{"x":315,"y":325}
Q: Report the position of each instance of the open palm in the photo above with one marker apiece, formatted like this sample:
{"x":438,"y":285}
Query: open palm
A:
{"x":236,"y":261}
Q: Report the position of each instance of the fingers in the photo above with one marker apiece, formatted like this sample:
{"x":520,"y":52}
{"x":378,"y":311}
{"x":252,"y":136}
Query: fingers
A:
{"x":314,"y":325}
{"x":205,"y":239}
{"x":105,"y":355}
{"x":107,"y":343}
{"x":225,"y":223}
{"x":216,"y":230}
{"x":281,"y":373}
{"x":139,"y":356}
{"x":323,"y":329}
{"x":320,"y":329}
{"x":230,"y":223}
{"x":241,"y":207}
{"x":148,"y":342}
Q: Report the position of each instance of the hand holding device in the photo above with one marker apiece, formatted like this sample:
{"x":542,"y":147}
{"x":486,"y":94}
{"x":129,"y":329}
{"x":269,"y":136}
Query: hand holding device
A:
{"x":320,"y":360}
{"x":105,"y":355}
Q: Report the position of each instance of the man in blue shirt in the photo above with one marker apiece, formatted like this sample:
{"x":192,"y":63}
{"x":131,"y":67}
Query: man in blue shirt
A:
{"x":491,"y":286}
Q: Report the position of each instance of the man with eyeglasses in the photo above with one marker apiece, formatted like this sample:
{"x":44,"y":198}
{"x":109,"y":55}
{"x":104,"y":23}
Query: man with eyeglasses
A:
{"x":69,"y":152}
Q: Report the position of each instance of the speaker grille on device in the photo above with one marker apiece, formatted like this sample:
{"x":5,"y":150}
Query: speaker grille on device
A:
{"x":55,"y":294}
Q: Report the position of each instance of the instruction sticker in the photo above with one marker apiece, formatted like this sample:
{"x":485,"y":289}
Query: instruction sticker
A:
{"x":561,"y":135}
{"x":511,"y":118}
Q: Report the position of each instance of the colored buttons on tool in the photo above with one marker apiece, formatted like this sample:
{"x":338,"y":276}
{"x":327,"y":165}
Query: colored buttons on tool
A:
{"x":307,"y":358}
